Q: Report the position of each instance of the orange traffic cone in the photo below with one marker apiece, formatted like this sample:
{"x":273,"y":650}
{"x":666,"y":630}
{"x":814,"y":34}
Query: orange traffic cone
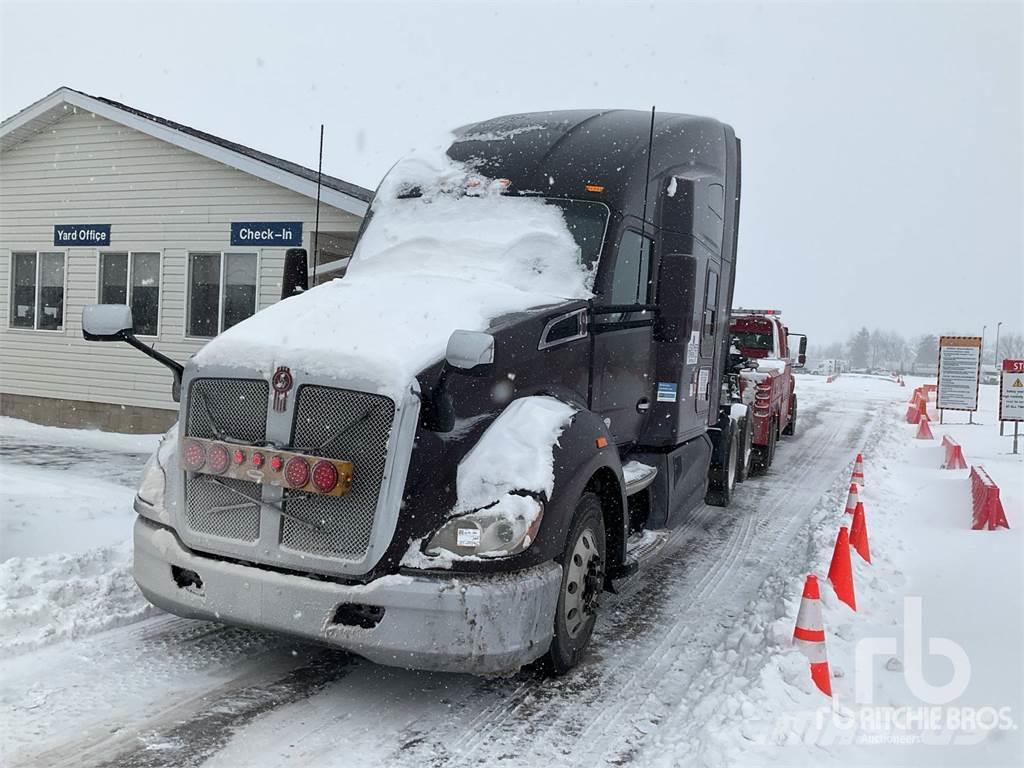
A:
{"x":809,"y":635}
{"x":924,"y":431}
{"x":858,"y":471}
{"x":840,"y":572}
{"x":859,"y":534}
{"x":852,"y":499}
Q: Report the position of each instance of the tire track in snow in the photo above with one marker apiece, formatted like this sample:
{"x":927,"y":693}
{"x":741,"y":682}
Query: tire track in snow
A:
{"x":554,"y":717}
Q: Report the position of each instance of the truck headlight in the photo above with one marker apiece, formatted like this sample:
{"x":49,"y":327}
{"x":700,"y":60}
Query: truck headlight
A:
{"x":153,"y":488}
{"x":154,"y":482}
{"x":505,"y":529}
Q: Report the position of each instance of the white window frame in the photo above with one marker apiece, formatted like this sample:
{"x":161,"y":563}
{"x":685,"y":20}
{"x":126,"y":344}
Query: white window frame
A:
{"x":131,"y":271}
{"x":38,"y":286}
{"x":258,"y":253}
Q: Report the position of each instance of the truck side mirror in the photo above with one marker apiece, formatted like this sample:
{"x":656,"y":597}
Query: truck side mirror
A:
{"x":113,"y":322}
{"x":295,"y":278}
{"x":107,"y":322}
{"x":801,"y":358}
{"x":470,"y":351}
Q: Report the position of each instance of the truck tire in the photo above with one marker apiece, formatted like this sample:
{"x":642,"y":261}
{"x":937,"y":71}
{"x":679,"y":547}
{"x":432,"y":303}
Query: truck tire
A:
{"x":791,"y":427}
{"x":764,"y":455}
{"x":722,"y":477}
{"x":583,"y":565}
{"x":743,"y":455}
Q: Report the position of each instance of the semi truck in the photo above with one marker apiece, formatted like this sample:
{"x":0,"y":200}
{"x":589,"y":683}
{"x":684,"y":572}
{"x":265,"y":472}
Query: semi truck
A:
{"x":441,"y":460}
{"x":767,"y":385}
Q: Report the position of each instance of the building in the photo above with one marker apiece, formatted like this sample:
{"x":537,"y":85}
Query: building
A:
{"x":102,"y":203}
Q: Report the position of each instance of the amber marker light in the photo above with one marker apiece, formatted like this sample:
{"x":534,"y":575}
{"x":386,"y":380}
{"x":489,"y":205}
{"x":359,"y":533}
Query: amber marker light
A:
{"x":594,"y":187}
{"x":602,"y":442}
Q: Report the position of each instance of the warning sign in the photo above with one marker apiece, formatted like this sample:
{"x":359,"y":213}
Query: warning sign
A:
{"x":959,"y":373}
{"x":1011,"y":391}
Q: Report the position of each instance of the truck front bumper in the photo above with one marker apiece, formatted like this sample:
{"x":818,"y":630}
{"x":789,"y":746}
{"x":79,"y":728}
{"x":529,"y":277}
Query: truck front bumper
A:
{"x":482,"y":624}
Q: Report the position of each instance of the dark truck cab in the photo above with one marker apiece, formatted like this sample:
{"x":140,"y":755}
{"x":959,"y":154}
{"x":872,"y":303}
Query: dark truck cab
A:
{"x":384,"y":567}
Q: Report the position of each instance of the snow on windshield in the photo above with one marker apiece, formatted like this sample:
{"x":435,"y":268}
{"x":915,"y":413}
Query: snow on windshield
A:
{"x":425,"y":266}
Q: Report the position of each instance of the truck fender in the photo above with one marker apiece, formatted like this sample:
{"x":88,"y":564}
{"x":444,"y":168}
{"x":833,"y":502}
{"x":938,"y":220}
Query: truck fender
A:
{"x":726,"y":426}
{"x":586,"y":459}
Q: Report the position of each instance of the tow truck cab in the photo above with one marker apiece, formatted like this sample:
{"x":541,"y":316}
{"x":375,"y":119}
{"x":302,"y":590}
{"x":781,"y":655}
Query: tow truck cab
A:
{"x":322,"y":505}
{"x":767,"y":385}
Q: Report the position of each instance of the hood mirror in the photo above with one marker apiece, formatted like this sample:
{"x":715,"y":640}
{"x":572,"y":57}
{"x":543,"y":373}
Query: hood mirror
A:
{"x":470,"y":351}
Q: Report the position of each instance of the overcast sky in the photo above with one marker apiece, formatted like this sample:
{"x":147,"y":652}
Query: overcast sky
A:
{"x":882,"y":157}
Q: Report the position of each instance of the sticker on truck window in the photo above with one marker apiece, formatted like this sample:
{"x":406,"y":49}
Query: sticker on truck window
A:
{"x":668,"y":391}
{"x":693,"y":348}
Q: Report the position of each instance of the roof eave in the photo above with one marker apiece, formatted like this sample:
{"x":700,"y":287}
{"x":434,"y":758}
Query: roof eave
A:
{"x":42,"y":109}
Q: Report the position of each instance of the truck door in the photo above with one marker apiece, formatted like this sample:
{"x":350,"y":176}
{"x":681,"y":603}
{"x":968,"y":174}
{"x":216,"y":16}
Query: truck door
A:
{"x":707,"y":321}
{"x":621,"y":380}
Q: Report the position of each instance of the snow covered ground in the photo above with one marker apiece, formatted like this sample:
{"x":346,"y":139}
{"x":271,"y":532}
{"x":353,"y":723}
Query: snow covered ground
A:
{"x":65,"y":524}
{"x":690,"y":664}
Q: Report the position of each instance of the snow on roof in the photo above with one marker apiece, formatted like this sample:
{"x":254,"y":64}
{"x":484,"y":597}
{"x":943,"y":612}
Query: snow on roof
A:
{"x":424,"y":267}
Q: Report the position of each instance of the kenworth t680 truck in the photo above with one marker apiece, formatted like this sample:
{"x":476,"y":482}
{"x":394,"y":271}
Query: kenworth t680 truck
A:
{"x":442,"y":459}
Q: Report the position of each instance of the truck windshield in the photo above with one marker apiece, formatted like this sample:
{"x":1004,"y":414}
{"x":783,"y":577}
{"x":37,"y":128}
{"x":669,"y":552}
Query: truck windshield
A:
{"x":754,"y":343}
{"x":587,"y":221}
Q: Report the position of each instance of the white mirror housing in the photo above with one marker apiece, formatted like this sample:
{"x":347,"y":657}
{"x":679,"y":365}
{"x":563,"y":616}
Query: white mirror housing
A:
{"x":107,"y":322}
{"x":469,"y":349}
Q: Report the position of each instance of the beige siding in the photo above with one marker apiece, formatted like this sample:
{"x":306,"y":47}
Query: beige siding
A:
{"x":86,"y":169}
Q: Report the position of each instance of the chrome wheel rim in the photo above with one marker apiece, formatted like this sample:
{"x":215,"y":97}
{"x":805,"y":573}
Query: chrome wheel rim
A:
{"x":583,"y":584}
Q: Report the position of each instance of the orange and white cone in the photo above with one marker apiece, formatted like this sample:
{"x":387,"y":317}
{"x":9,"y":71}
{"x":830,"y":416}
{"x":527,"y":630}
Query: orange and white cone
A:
{"x":859,"y":534}
{"x":924,"y":430}
{"x":858,"y":471}
{"x":840,"y":572}
{"x":809,"y":635}
{"x":852,"y":499}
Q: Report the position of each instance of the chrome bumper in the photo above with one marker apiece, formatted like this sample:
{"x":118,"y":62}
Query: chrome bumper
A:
{"x":481,"y":624}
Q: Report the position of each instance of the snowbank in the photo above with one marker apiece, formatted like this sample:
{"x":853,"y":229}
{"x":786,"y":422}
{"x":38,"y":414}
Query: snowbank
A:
{"x":455,"y":256}
{"x":65,"y":556}
{"x":64,"y":596}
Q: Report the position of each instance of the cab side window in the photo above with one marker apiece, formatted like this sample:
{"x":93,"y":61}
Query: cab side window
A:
{"x":710,"y":317}
{"x":631,"y":276}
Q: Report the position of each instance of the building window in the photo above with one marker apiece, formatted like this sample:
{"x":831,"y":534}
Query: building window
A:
{"x":37,"y":291}
{"x":134,"y":279}
{"x":222,"y":291}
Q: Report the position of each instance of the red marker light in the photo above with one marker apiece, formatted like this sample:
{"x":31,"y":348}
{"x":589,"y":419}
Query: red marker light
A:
{"x":296,"y":472}
{"x":276,"y":462}
{"x":258,"y":459}
{"x":325,"y":476}
{"x":218,"y":459}
{"x":193,"y":455}
{"x":239,"y":457}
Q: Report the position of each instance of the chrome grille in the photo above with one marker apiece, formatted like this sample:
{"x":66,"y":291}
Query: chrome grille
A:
{"x":233,"y":410}
{"x":223,"y":507}
{"x":338,"y":424}
{"x":228,"y":409}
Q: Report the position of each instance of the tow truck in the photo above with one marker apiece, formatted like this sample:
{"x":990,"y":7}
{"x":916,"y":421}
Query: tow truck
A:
{"x":371,"y":496}
{"x":766,"y":384}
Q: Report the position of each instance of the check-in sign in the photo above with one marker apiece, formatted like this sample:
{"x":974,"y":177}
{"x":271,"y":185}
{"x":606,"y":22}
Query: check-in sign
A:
{"x":267,"y":234}
{"x":1011,"y":391}
{"x":959,"y":373}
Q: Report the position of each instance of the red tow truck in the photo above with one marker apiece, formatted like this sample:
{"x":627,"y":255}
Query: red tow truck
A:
{"x":766,"y":383}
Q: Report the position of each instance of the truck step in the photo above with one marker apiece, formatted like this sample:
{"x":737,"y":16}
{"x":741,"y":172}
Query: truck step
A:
{"x":638,"y":476}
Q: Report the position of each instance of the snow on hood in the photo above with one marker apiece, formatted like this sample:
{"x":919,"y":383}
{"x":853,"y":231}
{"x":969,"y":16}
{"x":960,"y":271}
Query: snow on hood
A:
{"x":424,"y":267}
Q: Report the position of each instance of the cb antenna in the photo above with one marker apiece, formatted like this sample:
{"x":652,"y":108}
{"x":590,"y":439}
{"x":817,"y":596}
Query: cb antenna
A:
{"x":316,"y":225}
{"x":643,"y":220}
{"x":647,"y":177}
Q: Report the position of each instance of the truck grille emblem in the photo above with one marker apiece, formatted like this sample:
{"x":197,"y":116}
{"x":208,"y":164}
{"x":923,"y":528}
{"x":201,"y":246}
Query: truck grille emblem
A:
{"x":282,"y":383}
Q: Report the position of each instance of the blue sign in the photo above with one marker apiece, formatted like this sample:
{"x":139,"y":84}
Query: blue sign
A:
{"x":268,"y":234}
{"x":81,"y":235}
{"x":668,"y":391}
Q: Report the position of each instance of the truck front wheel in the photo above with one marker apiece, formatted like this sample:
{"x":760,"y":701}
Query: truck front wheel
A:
{"x":791,"y":427}
{"x":583,"y":563}
{"x":722,"y":477}
{"x":764,"y":455}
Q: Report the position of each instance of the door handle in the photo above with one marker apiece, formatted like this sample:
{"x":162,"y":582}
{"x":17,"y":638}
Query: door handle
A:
{"x":643,"y":405}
